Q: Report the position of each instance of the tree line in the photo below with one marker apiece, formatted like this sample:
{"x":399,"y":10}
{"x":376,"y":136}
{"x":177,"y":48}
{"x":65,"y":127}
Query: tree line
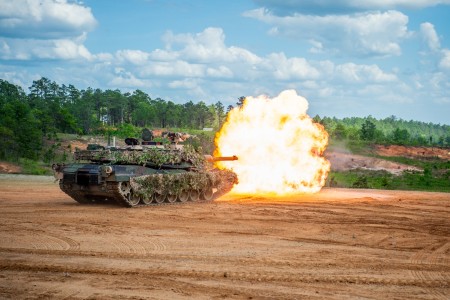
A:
{"x":50,"y":108}
{"x":27,"y":119}
{"x":391,"y":130}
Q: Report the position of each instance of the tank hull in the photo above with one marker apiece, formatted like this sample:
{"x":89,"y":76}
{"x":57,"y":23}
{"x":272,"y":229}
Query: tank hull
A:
{"x":134,"y":185}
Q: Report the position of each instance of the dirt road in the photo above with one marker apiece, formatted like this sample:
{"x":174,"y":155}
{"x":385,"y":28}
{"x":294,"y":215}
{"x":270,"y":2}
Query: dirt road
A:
{"x":338,"y":244}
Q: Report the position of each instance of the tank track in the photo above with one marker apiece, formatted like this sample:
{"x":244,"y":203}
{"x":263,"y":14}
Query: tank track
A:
{"x":75,"y":195}
{"x":118,"y":196}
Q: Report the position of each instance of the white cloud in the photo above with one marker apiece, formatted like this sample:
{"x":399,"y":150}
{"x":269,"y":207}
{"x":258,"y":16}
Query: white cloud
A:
{"x":310,"y":84}
{"x":163,"y":55}
{"x":44,"y":29}
{"x":220,"y":72}
{"x":439,"y":55}
{"x":234,"y":64}
{"x":438,"y":80}
{"x":103,"y":57}
{"x":445,"y":61}
{"x":390,"y":4}
{"x":188,"y":83}
{"x":317,"y":46}
{"x":136,"y":57}
{"x":44,"y":19}
{"x":351,"y":72}
{"x":340,"y":6}
{"x":430,"y":36}
{"x":173,"y":69}
{"x":326,"y":67}
{"x":369,"y":33}
{"x":291,"y":68}
{"x":26,"y":49}
{"x":206,"y":46}
{"x":326,"y":92}
{"x":127,"y":80}
{"x":67,"y":49}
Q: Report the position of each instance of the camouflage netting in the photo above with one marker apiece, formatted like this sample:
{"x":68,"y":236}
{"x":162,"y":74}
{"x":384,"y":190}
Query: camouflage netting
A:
{"x":155,"y":156}
{"x":173,"y":184}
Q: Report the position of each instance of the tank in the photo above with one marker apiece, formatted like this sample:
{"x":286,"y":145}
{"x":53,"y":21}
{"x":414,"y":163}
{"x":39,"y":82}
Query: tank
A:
{"x":144,"y":173}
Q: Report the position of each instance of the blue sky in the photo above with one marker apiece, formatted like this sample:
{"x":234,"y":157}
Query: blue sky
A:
{"x":347,"y":57}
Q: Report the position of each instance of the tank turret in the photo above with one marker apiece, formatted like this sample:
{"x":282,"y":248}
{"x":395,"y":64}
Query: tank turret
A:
{"x":147,"y":173}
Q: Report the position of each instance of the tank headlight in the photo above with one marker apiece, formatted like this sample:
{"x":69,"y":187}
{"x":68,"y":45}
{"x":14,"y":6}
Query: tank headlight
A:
{"x":108,"y":169}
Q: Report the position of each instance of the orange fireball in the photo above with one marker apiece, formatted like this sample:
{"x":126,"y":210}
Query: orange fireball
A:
{"x":279,"y":146}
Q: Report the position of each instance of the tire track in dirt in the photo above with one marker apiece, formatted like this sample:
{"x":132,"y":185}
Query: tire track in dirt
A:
{"x":213,"y":260}
{"x":129,"y":245}
{"x":434,"y":255}
{"x":40,"y":240}
{"x":137,"y":246}
{"x":303,"y":248}
{"x":240,"y":276}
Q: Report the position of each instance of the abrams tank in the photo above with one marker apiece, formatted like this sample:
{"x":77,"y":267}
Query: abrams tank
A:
{"x":144,"y":173}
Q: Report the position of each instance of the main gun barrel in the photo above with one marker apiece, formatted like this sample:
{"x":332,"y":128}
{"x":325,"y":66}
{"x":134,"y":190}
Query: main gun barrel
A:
{"x":210,"y":158}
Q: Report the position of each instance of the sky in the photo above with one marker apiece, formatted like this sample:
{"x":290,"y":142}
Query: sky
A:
{"x":347,"y":57}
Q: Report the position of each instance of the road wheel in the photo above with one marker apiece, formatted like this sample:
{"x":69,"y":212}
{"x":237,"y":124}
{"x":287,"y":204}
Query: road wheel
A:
{"x":207,"y":194}
{"x":147,"y":200}
{"x":134,"y":199}
{"x":183,"y":196}
{"x":159,"y":198}
{"x":194,"y":195}
{"x":171,"y":198}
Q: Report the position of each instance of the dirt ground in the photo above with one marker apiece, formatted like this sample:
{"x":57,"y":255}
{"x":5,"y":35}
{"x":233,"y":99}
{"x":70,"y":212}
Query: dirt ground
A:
{"x":337,"y":244}
{"x":9,"y":168}
{"x":413,"y":152}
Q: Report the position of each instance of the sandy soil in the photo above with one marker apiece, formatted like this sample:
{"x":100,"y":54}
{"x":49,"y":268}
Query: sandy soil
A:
{"x":9,"y":168}
{"x":338,"y":244}
{"x":413,"y":152}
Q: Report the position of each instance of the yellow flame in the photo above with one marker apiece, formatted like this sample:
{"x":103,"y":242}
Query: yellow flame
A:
{"x":279,"y":146}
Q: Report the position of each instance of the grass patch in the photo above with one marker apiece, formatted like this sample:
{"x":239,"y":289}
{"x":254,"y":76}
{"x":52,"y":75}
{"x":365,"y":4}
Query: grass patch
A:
{"x":429,"y":180}
{"x":32,"y":167}
{"x":432,"y":162}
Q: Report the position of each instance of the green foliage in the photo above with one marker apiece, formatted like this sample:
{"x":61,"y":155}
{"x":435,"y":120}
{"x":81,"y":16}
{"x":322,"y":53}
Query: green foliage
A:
{"x":339,"y":132}
{"x":50,"y":153}
{"x":220,"y":110}
{"x":390,"y":130}
{"x":429,"y":180}
{"x":368,"y":129}
{"x":205,"y":143}
{"x":128,"y":130}
{"x":19,"y":130}
{"x":400,"y":136}
{"x":361,"y":182}
{"x":331,"y":182}
{"x":32,"y":167}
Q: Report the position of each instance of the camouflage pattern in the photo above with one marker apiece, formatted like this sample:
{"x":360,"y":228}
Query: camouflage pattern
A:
{"x":152,"y":156}
{"x":143,"y":175}
{"x":175,"y":183}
